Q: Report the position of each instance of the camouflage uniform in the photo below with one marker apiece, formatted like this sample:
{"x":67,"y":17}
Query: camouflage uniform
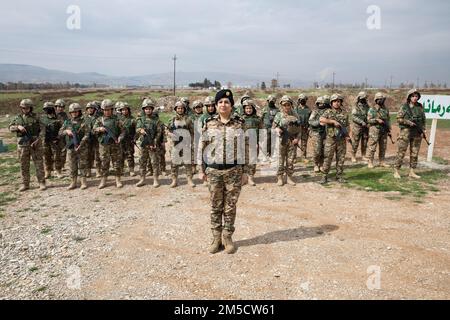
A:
{"x":378,"y":133}
{"x":318,"y":134}
{"x":127,"y":144}
{"x":62,"y":116}
{"x":52,"y":144}
{"x":268,"y":116}
{"x":29,"y":145}
{"x":251,"y":122}
{"x":359,"y":126}
{"x":335,"y":143}
{"x":239,"y":108}
{"x":409,"y":134}
{"x":78,"y":146}
{"x":290,"y":124}
{"x":93,"y":148}
{"x":109,"y":142}
{"x":304,"y":112}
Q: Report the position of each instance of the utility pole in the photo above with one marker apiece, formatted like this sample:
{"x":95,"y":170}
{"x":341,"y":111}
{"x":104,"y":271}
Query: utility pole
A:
{"x":174,"y":74}
{"x":334,"y":75}
{"x":390,"y":85}
{"x":418,"y":84}
{"x":278,"y":79}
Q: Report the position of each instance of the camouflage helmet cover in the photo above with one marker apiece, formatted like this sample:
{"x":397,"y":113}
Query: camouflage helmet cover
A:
{"x":302,"y":96}
{"x":286,"y":99}
{"x":336,"y":96}
{"x":107,"y":104}
{"x":148,"y":103}
{"x":411,"y":92}
{"x":48,"y":105}
{"x":26,"y":103}
{"x":379,"y":96}
{"x":209,"y":101}
{"x":60,"y":103}
{"x":271,"y":98}
{"x":197,"y":104}
{"x":326,"y":99}
{"x":74,"y":107}
{"x":362,"y":95}
{"x":320,"y":100}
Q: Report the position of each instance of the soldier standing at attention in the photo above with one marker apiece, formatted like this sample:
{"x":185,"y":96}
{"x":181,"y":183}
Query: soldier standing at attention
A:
{"x":337,"y":122}
{"x":29,"y":132}
{"x":75,"y":133}
{"x":268,"y":116}
{"x":318,"y":134}
{"x":197,"y":106}
{"x":303,"y":112}
{"x":181,"y":121}
{"x":360,"y":130}
{"x":110,"y":132}
{"x":209,"y":109}
{"x":148,"y":134}
{"x":412,"y":121}
{"x":288,"y":127}
{"x":225,"y":179}
{"x":93,"y":148}
{"x":378,"y":119}
{"x":252,"y":122}
{"x":60,"y":105}
{"x":52,"y":143}
{"x":127,"y":144}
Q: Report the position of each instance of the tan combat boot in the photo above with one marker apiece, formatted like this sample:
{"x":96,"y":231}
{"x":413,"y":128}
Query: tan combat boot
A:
{"x":102,"y":184}
{"x":190,"y":182}
{"x":156,"y":181}
{"x":413,"y":175}
{"x":73,"y":185}
{"x":290,"y":181}
{"x":353,"y":158}
{"x":119,"y":183}
{"x":88,"y":173}
{"x":42,"y":186}
{"x":141,"y":182}
{"x":280,"y":181}
{"x":174,"y":182}
{"x":24,"y":187}
{"x":251,"y":182}
{"x":384,"y":164}
{"x":48,"y":174}
{"x":98,"y":173}
{"x":132,"y":173}
{"x":370,"y":164}
{"x":83,"y":183}
{"x":397,"y":174}
{"x":59,"y":174}
{"x":364,"y":158}
{"x":217,"y":242}
{"x":316,"y":169}
{"x":230,"y":248}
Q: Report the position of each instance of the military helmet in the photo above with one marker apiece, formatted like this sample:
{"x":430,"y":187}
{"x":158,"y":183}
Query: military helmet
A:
{"x":379,"y":96}
{"x":74,"y":107}
{"x":326,"y":99}
{"x":362,"y":95}
{"x":336,"y":96}
{"x":179,"y":104}
{"x":98,"y":104}
{"x":209,"y":101}
{"x":148,"y":103}
{"x":119,"y":105}
{"x":320,"y":100}
{"x":107,"y":104}
{"x":196,"y":104}
{"x":26,"y":103}
{"x":245,"y":97}
{"x":302,"y":96}
{"x":90,"y":105}
{"x":286,"y":99}
{"x":271,"y":98}
{"x":185,"y":100}
{"x":60,"y":103}
{"x":48,"y":105}
{"x":411,"y":92}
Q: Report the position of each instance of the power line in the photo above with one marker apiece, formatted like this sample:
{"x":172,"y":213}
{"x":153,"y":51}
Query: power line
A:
{"x":174,"y":75}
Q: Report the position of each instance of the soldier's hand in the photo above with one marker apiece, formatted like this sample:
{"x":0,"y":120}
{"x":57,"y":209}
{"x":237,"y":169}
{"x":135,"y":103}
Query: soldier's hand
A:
{"x":203,"y":176}
{"x":21,"y":129}
{"x":142,"y":131}
{"x":411,"y":124}
{"x":336,"y":124}
{"x":380,"y":121}
{"x":101,"y":129}
{"x":244,"y":179}
{"x":69,"y":133}
{"x":279,"y":131}
{"x":295,"y":142}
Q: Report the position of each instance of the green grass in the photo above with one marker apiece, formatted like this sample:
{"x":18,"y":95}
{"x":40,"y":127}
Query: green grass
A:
{"x":5,"y":198}
{"x":17,"y":95}
{"x":46,"y":230}
{"x":440,"y":160}
{"x":382,"y":180}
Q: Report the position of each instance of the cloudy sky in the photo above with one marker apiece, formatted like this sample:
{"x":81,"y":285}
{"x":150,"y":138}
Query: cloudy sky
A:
{"x":307,"y":40}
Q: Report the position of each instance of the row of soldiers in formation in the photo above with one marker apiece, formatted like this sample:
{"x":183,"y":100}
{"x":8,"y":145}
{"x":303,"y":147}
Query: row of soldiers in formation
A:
{"x":101,"y":136}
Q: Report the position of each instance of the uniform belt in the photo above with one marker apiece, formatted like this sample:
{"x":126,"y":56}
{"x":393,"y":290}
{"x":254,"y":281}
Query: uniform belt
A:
{"x":221,"y":166}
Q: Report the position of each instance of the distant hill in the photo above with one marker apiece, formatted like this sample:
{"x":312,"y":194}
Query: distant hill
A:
{"x":33,"y":74}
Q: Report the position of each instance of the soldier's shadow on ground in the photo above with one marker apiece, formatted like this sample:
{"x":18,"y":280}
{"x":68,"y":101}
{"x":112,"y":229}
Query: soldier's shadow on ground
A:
{"x":299,"y":233}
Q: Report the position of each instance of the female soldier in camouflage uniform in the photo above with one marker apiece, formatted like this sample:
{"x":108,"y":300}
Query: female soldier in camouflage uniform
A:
{"x":148,"y":133}
{"x":60,"y":105}
{"x":52,"y":143}
{"x":75,"y":132}
{"x":318,"y":134}
{"x":252,"y":125}
{"x":29,"y":132}
{"x":411,"y":119}
{"x":360,"y":130}
{"x":379,"y":128}
{"x":127,"y":144}
{"x":288,"y":127}
{"x":110,"y":132}
{"x":303,"y":112}
{"x":337,"y":122}
{"x":181,"y":121}
{"x":209,"y":109}
{"x":93,"y":152}
{"x":268,"y":116}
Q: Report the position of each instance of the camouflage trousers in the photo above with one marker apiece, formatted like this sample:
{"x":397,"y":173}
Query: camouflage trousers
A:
{"x":78,"y":160}
{"x":318,"y":142}
{"x":224,"y":188}
{"x":25,"y":154}
{"x":149,"y":159}
{"x":52,"y":156}
{"x":286,"y":158}
{"x":93,"y":151}
{"x":127,"y":150}
{"x":161,"y":155}
{"x":63,"y":152}
{"x":377,"y":139}
{"x":406,"y":139}
{"x":304,"y":141}
{"x":359,"y":134}
{"x":174,"y":168}
{"x":108,"y":153}
{"x":338,"y":148}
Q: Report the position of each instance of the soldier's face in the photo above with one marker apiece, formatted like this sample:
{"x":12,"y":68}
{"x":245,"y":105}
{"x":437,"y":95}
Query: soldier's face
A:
{"x":180,"y":110}
{"x":198,"y":110}
{"x":286,"y":107}
{"x":148,"y":111}
{"x":336,"y":104}
{"x":108,"y":112}
{"x":25,"y":110}
{"x":74,"y":114}
{"x":211,"y":108}
{"x":59,"y":109}
{"x":90,"y":111}
{"x":248,"y":110}
{"x":224,"y":107}
{"x":125,"y":112}
{"x":414,"y":98}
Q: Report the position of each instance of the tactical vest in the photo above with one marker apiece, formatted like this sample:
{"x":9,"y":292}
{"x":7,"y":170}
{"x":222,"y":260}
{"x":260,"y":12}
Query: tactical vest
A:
{"x":112,"y":125}
{"x":318,"y":113}
{"x":52,"y":126}
{"x":269,"y":116}
{"x":150,"y":127}
{"x":360,"y":112}
{"x":414,"y":114}
{"x":303,"y":115}
{"x":339,"y":116}
{"x":75,"y":125}
{"x":32,"y":125}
